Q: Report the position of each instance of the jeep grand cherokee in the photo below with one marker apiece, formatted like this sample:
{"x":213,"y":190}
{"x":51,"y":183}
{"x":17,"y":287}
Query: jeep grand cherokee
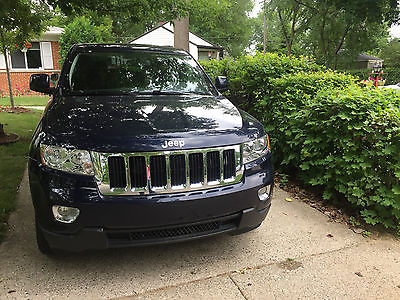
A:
{"x":138,"y":147}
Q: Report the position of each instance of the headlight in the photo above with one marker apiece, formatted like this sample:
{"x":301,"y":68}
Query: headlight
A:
{"x":255,"y":149}
{"x":73,"y":161}
{"x":65,"y":214}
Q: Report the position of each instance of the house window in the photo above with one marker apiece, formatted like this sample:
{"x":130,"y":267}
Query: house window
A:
{"x":28,"y":60}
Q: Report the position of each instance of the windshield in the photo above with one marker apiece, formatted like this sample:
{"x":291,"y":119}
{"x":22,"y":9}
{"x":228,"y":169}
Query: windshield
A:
{"x":136,"y":72}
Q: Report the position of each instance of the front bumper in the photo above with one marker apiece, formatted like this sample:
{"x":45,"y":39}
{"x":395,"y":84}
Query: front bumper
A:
{"x":100,"y":238}
{"x":119,"y":221}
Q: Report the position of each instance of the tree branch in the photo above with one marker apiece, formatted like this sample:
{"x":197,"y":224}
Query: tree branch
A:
{"x":322,"y":33}
{"x":339,"y":46}
{"x":306,"y":5}
{"x":283,"y":29}
{"x":346,"y":31}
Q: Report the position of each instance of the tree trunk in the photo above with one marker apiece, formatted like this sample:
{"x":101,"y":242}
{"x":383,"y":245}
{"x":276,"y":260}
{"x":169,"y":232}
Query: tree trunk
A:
{"x":340,"y":45}
{"x":285,"y":34}
{"x":265,"y":30}
{"x":293,"y":28}
{"x":7,"y":69}
{"x":2,"y":131}
{"x":9,"y":83}
{"x":322,"y":34}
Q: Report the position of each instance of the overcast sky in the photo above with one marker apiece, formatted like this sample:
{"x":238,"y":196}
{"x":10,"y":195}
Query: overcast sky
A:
{"x":394,"y":31}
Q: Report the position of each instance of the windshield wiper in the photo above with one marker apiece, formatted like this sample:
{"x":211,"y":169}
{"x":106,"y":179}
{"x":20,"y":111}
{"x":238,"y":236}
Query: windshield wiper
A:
{"x":160,"y":92}
{"x":133,"y":92}
{"x":102,"y":92}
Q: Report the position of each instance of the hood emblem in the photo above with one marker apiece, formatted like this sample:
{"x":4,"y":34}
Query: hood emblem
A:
{"x":173,"y":143}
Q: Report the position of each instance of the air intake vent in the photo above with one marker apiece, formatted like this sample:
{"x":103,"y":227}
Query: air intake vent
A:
{"x":116,"y":172}
{"x":213,"y":166}
{"x":137,"y":166}
{"x":196,"y":167}
{"x":178,"y":169}
{"x":229,"y":164}
{"x":158,"y":171}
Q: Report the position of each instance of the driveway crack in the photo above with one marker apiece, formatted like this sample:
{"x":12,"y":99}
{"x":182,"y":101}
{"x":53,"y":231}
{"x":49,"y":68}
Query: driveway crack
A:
{"x":238,"y":287}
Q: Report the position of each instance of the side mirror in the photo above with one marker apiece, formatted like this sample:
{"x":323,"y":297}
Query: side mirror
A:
{"x":221,"y":83}
{"x":40,"y":83}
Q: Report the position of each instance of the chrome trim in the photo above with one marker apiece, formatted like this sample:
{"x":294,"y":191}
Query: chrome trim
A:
{"x":102,"y":176}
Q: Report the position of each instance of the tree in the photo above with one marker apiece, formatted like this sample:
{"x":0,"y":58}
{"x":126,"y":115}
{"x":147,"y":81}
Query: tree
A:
{"x":129,"y":17}
{"x":293,"y":17}
{"x":20,"y":20}
{"x":339,"y":26}
{"x":333,"y":31}
{"x":222,"y":22}
{"x":274,"y":40}
{"x":82,"y":30}
{"x":391,"y":54}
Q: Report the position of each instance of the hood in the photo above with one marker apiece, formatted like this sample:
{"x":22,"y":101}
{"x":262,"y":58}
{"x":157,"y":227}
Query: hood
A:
{"x":144,"y":123}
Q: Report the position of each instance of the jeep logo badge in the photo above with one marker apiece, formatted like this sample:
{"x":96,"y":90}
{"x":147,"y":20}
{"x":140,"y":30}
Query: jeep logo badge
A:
{"x":175,"y":143}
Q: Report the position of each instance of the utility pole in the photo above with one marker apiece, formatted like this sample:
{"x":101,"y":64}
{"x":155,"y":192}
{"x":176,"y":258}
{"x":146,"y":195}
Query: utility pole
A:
{"x":265,"y":29}
{"x":181,"y":33}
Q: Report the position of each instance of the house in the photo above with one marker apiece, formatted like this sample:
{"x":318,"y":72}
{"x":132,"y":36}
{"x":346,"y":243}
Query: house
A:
{"x":42,"y":56}
{"x":368,"y":62}
{"x":163,"y":35}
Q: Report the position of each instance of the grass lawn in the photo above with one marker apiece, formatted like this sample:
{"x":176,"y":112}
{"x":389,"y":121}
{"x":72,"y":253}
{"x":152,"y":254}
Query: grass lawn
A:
{"x":25,"y":100}
{"x":13,"y":160}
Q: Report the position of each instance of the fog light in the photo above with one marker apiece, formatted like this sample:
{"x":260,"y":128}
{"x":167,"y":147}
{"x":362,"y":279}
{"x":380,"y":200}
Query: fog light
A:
{"x":264,"y":193}
{"x":65,"y":214}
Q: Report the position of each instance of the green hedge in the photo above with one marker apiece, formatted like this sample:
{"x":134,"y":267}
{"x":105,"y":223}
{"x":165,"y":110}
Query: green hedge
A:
{"x":326,"y":130}
{"x":250,"y":77}
{"x":344,"y":139}
{"x":361,"y":74}
{"x":391,"y":75}
{"x":290,"y":94}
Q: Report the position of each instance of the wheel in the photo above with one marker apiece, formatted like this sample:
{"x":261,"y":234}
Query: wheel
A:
{"x":41,"y":241}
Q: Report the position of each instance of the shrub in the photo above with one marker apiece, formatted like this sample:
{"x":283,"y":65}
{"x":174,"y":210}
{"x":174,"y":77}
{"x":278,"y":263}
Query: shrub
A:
{"x":345,"y":139}
{"x":348,"y":142}
{"x":325,"y":129}
{"x":250,"y":77}
{"x":290,"y":94}
{"x":392,"y":75}
{"x":361,"y":74}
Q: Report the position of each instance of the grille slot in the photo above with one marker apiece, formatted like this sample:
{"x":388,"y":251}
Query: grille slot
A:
{"x":178,"y":169}
{"x":158,"y":171}
{"x":229,"y":164}
{"x":137,"y":167}
{"x":116,"y":172}
{"x":213,"y":166}
{"x":196,"y":168}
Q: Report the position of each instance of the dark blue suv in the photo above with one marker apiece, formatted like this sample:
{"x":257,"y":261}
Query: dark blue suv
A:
{"x":139,"y":147}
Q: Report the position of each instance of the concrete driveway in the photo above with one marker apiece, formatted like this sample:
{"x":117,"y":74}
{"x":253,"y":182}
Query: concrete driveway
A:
{"x":296,"y":253}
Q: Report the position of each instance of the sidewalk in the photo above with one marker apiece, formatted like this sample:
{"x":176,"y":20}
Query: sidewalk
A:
{"x":296,"y":253}
{"x":35,"y":107}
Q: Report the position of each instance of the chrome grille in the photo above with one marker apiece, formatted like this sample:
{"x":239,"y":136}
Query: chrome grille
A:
{"x":167,"y":171}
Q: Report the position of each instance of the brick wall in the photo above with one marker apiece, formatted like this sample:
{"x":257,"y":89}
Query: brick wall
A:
{"x":19,"y":83}
{"x":55,"y":49}
{"x":20,"y":80}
